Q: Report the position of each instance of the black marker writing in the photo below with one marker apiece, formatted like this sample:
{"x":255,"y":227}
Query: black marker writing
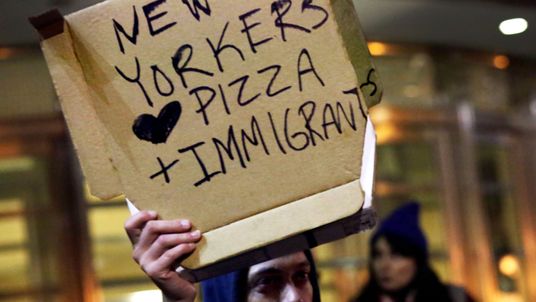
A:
{"x":185,"y":53}
{"x":196,"y":6}
{"x":307,"y":110}
{"x":230,"y":149}
{"x":206,"y":176}
{"x":281,"y":8}
{"x":248,"y":27}
{"x":311,"y":68}
{"x":369,"y":82}
{"x":308,"y":5}
{"x":133,"y":37}
{"x":243,"y":80}
{"x":205,"y":101}
{"x":277,"y":69}
{"x":164,"y":169}
{"x":354,"y":91}
{"x":216,"y":51}
{"x":148,"y":9}
{"x":136,"y":80}
{"x":159,"y":74}
{"x":253,"y":139}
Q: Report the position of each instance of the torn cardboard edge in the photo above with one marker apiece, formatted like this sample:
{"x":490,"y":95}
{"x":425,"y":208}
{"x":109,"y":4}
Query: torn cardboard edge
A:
{"x":48,"y":24}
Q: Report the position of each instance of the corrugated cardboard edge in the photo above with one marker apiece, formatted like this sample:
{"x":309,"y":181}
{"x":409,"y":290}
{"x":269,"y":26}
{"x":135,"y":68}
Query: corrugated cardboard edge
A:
{"x":245,"y":235}
{"x":361,"y":221}
{"x":357,"y":49}
{"x":88,"y":137}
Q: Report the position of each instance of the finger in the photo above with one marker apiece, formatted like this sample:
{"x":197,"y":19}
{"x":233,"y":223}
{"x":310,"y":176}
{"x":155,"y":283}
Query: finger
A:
{"x":135,"y":223}
{"x":168,"y":241}
{"x":170,"y":257}
{"x":155,"y":228}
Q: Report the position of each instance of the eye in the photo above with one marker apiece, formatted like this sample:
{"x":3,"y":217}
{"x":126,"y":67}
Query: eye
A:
{"x":301,"y":277}
{"x":269,"y":281}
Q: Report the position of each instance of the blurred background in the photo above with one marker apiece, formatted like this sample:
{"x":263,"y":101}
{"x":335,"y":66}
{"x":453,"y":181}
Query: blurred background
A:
{"x":456,"y":130}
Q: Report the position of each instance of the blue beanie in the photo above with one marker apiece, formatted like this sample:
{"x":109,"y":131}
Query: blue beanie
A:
{"x":230,"y":287}
{"x":403,"y":223}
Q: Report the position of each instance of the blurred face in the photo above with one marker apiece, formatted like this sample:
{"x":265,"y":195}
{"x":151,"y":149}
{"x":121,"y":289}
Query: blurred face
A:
{"x":392,"y":271}
{"x":284,"y":279}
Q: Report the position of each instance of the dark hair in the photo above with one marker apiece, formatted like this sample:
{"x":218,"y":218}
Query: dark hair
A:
{"x":425,"y":283}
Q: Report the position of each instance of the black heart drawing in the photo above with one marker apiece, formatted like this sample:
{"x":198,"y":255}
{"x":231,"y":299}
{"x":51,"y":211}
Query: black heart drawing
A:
{"x":157,"y":129}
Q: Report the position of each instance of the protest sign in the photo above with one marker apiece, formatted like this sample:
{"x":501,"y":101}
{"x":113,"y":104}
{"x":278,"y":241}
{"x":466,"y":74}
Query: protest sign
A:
{"x":246,"y":117}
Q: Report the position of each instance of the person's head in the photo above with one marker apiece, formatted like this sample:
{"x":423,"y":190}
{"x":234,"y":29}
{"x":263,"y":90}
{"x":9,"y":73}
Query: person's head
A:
{"x":399,"y":261}
{"x":398,"y":250}
{"x":289,"y":278}
{"x":285,"y":279}
{"x":394,"y":267}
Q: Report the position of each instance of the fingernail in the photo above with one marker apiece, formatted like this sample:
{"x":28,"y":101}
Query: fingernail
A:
{"x":185,"y":223}
{"x":152,"y":213}
{"x":196,"y":234}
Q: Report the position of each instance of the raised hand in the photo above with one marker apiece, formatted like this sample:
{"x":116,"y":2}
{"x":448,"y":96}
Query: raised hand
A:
{"x":158,"y":247}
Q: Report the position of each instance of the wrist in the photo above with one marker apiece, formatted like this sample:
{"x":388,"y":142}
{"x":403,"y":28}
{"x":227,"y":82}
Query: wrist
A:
{"x":169,"y":299}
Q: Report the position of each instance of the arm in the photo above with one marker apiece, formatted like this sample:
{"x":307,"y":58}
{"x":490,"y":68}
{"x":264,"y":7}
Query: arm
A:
{"x":158,"y":247}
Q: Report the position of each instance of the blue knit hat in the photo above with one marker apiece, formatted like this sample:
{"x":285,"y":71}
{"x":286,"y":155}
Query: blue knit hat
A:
{"x":403,"y":223}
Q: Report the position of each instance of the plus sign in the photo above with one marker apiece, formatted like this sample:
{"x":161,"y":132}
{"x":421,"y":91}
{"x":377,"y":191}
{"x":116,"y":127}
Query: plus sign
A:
{"x":164,"y":169}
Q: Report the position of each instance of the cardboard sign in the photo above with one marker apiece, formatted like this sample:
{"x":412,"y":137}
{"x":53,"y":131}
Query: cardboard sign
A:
{"x":246,"y":117}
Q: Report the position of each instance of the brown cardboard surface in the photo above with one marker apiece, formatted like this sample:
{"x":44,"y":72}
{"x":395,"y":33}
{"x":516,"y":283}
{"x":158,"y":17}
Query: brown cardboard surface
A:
{"x":282,"y":137}
{"x":88,"y":138}
{"x":275,"y":224}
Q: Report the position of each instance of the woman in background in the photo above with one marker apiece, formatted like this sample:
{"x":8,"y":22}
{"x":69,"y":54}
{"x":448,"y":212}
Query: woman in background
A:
{"x":399,"y":268}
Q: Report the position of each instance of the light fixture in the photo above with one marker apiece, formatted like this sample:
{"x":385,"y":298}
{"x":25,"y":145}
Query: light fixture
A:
{"x":513,"y":26}
{"x":377,"y":48}
{"x":501,"y":61}
{"x":509,"y":265}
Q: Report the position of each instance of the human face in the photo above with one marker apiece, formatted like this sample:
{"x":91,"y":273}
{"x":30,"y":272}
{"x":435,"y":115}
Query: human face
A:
{"x":392,"y":271}
{"x":284,"y":279}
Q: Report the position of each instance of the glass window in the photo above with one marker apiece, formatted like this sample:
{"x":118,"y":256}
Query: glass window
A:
{"x":28,"y":259}
{"x":121,"y":280}
{"x":502,"y":218}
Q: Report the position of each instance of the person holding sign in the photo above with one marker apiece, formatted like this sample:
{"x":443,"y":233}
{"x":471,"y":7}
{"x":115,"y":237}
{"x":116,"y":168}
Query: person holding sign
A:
{"x":160,"y":245}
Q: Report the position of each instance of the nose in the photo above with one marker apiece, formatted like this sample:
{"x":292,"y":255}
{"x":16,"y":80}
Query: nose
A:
{"x":291,"y":294}
{"x":384,"y":263}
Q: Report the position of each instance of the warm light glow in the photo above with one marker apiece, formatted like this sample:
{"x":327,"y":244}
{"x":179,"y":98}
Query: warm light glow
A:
{"x":513,"y":26}
{"x":509,"y":265}
{"x":380,"y":114}
{"x":412,"y":91}
{"x":377,"y":48}
{"x":387,"y":133}
{"x":501,"y":62}
{"x":144,"y":296}
{"x":6,"y":53}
